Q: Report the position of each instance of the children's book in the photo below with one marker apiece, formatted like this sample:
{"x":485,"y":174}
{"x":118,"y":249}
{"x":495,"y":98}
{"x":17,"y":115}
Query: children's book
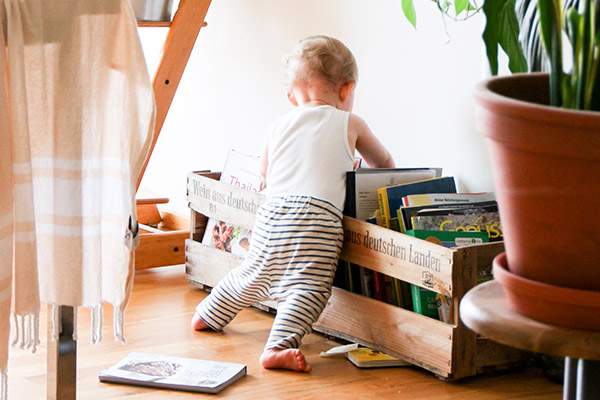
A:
{"x":425,"y":199}
{"x":361,"y":203}
{"x":483,"y":219}
{"x":362,"y":184}
{"x":242,"y":171}
{"x":164,"y":372}
{"x":430,"y":303}
{"x":405,"y":213}
{"x":363,"y":357}
{"x":390,"y":198}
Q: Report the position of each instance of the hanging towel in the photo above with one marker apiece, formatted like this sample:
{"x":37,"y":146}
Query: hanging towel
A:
{"x":76,"y":123}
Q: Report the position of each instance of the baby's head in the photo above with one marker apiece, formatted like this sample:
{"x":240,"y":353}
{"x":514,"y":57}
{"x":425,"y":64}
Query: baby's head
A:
{"x":320,"y":59}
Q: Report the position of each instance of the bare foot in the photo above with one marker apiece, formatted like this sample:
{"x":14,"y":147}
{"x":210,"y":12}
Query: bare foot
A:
{"x":198,"y":324}
{"x":291,"y":359}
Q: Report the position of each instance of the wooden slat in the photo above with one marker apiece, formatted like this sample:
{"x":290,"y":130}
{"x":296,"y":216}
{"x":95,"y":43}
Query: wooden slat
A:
{"x":224,"y":202}
{"x":160,"y":249}
{"x":420,"y":340}
{"x":464,"y":270}
{"x":148,"y":214}
{"x":187,"y":21}
{"x":208,"y":266}
{"x":158,"y":200}
{"x":398,"y":255}
{"x":173,"y":221}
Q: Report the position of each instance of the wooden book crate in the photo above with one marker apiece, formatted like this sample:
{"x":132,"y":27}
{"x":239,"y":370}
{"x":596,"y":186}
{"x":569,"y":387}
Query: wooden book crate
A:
{"x":449,"y":350}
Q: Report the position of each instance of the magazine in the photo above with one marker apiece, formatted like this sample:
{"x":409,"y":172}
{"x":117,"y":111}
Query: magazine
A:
{"x":188,"y":374}
{"x":240,"y":170}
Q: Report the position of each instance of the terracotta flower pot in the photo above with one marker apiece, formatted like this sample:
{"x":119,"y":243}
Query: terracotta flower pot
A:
{"x":546,"y":169}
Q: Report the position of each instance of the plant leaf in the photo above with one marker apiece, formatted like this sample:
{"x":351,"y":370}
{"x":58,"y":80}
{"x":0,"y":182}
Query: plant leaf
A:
{"x":551,"y":29}
{"x":409,"y":12}
{"x":460,"y":6}
{"x":502,"y":29}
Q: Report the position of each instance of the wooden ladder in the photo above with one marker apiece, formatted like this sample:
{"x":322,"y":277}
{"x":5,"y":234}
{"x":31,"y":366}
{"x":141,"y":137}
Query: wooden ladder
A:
{"x":163,"y":234}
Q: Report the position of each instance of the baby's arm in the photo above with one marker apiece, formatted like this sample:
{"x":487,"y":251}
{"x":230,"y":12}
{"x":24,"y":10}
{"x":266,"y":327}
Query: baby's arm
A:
{"x":361,"y":139}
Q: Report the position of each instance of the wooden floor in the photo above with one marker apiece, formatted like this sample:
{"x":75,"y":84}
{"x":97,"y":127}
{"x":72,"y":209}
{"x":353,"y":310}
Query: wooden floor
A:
{"x":157,"y":321}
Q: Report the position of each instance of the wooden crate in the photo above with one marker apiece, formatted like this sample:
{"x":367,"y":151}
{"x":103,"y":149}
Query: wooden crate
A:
{"x":449,"y":350}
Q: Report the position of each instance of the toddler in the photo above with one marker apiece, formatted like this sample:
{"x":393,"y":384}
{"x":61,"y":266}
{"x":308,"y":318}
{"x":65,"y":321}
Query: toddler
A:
{"x":297,"y":236}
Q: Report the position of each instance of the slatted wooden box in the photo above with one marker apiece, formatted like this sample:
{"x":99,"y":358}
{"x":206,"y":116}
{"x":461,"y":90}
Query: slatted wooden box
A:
{"x":449,"y":350}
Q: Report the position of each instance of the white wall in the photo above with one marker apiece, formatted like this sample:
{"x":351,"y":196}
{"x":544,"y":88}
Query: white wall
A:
{"x":415,"y":86}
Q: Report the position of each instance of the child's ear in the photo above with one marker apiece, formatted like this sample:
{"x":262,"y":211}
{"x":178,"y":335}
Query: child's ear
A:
{"x":292,"y":98}
{"x":346,"y":89}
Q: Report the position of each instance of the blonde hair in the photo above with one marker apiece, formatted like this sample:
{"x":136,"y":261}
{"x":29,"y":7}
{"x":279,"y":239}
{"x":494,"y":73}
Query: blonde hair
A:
{"x":320,"y":57}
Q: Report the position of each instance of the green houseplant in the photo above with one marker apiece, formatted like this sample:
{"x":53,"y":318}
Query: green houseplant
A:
{"x":543,"y":134}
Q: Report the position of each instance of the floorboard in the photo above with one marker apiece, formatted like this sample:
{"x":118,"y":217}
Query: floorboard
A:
{"x":157,"y":321}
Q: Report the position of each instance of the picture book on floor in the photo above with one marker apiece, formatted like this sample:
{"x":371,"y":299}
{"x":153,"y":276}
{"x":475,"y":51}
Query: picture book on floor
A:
{"x":165,"y":372}
{"x":243,"y":171}
{"x":364,"y":357}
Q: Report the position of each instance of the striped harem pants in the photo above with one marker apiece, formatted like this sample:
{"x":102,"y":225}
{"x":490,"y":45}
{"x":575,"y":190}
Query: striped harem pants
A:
{"x":293,"y":255}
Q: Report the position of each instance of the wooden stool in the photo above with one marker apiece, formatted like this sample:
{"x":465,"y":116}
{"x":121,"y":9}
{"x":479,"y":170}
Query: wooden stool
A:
{"x":485,"y":309}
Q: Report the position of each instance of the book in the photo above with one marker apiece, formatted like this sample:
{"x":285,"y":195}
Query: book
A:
{"x":427,"y":302}
{"x":364,"y":357}
{"x":165,"y":372}
{"x":478,"y":220}
{"x":242,"y":171}
{"x":361,"y":203}
{"x":362,"y":184}
{"x":390,"y":198}
{"x":405,"y":213}
{"x":425,"y":199}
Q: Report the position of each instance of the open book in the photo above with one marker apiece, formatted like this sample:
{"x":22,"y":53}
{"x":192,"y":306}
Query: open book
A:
{"x":141,"y":369}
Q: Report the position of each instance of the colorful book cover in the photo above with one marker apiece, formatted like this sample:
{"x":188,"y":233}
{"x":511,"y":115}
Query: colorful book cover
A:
{"x":242,"y":171}
{"x":165,"y":372}
{"x":487,"y":221}
{"x":405,"y":213}
{"x":390,"y":198}
{"x":364,"y":357}
{"x":425,"y":199}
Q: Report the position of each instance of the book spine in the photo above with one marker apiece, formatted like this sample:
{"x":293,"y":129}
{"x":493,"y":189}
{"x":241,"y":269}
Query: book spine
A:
{"x":384,"y":207}
{"x":414,"y":289}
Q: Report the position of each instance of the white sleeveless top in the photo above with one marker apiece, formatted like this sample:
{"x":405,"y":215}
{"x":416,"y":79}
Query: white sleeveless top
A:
{"x":309,"y":155}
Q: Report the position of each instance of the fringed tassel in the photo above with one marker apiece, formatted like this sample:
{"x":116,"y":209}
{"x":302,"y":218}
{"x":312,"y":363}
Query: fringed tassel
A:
{"x":27,"y":331}
{"x":56,"y":325}
{"x":3,"y":386}
{"x":118,"y":320}
{"x":97,"y":315}
{"x":17,"y":332}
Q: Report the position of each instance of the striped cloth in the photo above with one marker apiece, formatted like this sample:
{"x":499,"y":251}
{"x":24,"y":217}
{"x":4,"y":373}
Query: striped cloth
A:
{"x":296,"y":242}
{"x":76,"y":118}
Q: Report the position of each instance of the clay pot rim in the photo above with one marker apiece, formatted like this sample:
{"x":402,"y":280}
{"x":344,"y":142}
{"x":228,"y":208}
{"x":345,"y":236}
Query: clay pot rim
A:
{"x":542,"y":290}
{"x":486,"y":94}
